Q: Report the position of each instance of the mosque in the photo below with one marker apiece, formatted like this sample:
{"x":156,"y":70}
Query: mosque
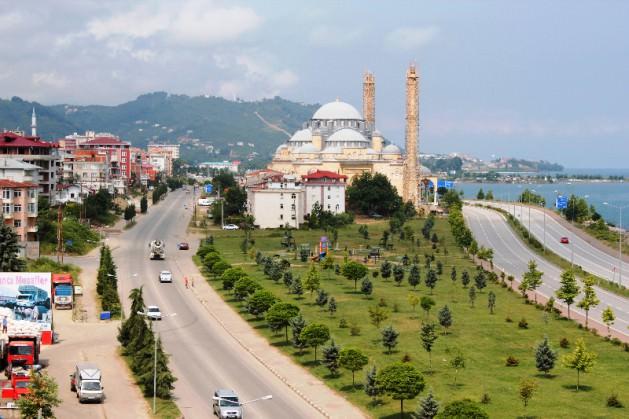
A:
{"x":339,"y":139}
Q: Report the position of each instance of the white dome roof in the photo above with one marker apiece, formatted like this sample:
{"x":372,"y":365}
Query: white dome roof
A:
{"x":303,"y":135}
{"x":337,"y":110}
{"x":307,"y":148}
{"x":391,"y":149}
{"x":280,"y":148}
{"x":347,"y":135}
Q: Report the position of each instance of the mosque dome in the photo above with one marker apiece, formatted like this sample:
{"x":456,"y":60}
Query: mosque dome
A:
{"x":307,"y":148}
{"x":346,"y":136}
{"x":391,"y":149}
{"x":280,"y":148}
{"x":301,"y":136}
{"x":337,"y":110}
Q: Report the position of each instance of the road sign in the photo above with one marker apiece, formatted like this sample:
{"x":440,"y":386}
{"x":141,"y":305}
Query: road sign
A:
{"x":208,"y":188}
{"x":561,"y":202}
{"x":69,"y":243}
{"x":448,"y":184}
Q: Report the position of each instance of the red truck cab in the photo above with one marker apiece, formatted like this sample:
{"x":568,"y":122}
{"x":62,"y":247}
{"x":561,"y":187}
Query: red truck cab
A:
{"x":23,"y":350}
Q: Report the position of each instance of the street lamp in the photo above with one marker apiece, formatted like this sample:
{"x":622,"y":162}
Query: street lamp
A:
{"x":155,"y":339}
{"x":619,"y":208}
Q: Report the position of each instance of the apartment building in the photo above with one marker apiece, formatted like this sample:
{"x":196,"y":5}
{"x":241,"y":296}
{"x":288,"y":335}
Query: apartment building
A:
{"x":19,"y":210}
{"x":325,"y":188}
{"x":277,"y":201}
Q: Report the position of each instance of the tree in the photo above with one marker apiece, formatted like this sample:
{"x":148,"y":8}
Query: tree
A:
{"x":353,"y":360}
{"x":426,"y":304}
{"x":296,"y":288}
{"x":576,"y":209}
{"x":463,"y":409}
{"x":465,"y":279}
{"x":297,"y":324}
{"x":457,"y":363}
{"x":398,"y":274}
{"x":288,"y":279}
{"x":165,"y":379}
{"x":385,"y":270}
{"x":428,"y":407}
{"x":371,"y":384}
{"x":230,"y":276}
{"x":280,"y":315}
{"x":413,"y":300}
{"x":332,"y":306}
{"x":366,"y":287}
{"x":313,"y":280}
{"x":129,"y":212}
{"x":545,"y":357}
{"x":453,"y":274}
{"x":590,"y":300}
{"x":389,"y":338}
{"x":143,"y":204}
{"x":489,"y":196}
{"x":428,"y":338}
{"x":531,"y":279}
{"x":608,"y":318}
{"x":314,"y":335}
{"x":413,"y":276}
{"x":377,"y":315}
{"x":568,"y":289}
{"x":354,"y":271}
{"x":472,"y":295}
{"x":260,"y":302}
{"x":431,"y":280}
{"x":363,"y":230}
{"x":491,"y":301}
{"x":581,"y":360}
{"x":527,"y":388}
{"x":373,"y":193}
{"x":41,"y":399}
{"x":9,"y":251}
{"x":480,"y":195}
{"x":331,"y":358}
{"x":322,"y":298}
{"x":445,"y":318}
{"x":401,"y":381}
{"x":480,"y":280}
{"x":244,"y":287}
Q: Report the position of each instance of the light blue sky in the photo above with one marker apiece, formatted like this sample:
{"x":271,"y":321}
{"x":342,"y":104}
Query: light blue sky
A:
{"x":532,"y":79}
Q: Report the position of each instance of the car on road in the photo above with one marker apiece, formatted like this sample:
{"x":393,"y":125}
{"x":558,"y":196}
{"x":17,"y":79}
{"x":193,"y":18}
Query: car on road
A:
{"x":226,"y":405}
{"x":564,"y":240}
{"x":183,"y":246}
{"x":165,"y":276}
{"x":230,"y":227}
{"x":153,"y":313}
{"x":374,"y":215}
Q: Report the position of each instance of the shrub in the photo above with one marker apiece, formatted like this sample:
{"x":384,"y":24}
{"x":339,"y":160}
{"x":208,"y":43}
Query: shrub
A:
{"x":509,"y":319}
{"x":564,"y":343}
{"x":343,"y":324}
{"x":523,"y":324}
{"x":396,"y":308}
{"x":485,"y":399}
{"x":615,"y":341}
{"x":512,"y":361}
{"x":406,"y":357}
{"x":625,"y":347}
{"x":382,"y":302}
{"x":354,"y":330}
{"x":612,"y":401}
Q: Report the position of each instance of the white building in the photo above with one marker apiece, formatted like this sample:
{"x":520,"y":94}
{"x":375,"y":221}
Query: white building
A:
{"x":172,"y":148}
{"x":231,"y":166}
{"x":326,"y":188}
{"x":18,"y":171}
{"x":277,"y":202}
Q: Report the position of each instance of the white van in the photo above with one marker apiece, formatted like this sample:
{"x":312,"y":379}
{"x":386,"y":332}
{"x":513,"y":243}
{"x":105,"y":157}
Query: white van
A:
{"x":86,"y":381}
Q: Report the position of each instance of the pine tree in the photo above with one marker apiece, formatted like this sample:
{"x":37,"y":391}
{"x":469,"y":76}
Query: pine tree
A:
{"x":165,"y":379}
{"x":414,"y":276}
{"x":445,"y":318}
{"x":331,"y":358}
{"x":545,"y":357}
{"x":143,"y":204}
{"x":428,"y":338}
{"x":428,"y":407}
{"x":288,"y":279}
{"x":491,"y":301}
{"x":371,"y":386}
{"x":389,"y":338}
{"x":480,"y":280}
{"x":332,"y":306}
{"x":9,"y":251}
{"x":465,"y":279}
{"x":297,"y":324}
{"x":366,"y":287}
{"x":398,"y":274}
{"x":313,"y":280}
{"x":439,"y":268}
{"x":453,"y":274}
{"x":322,"y":298}
{"x":472,"y":295}
{"x":385,"y":270}
{"x":431,"y":280}
{"x":296,"y":288}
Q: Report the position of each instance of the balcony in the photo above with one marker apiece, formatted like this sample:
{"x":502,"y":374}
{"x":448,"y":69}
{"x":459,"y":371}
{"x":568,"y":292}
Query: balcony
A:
{"x":31,"y":229}
{"x":7,"y":215}
{"x":31,"y":214}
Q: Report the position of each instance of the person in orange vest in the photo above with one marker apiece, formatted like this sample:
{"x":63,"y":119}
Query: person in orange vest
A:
{"x":185,"y":279}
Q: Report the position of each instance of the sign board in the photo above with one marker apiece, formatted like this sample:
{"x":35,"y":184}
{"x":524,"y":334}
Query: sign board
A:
{"x":448,"y":184}
{"x":25,"y":297}
{"x":561,"y":202}
{"x":208,"y":188}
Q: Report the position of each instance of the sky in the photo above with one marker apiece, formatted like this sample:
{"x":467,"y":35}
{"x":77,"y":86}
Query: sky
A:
{"x":528,"y":79}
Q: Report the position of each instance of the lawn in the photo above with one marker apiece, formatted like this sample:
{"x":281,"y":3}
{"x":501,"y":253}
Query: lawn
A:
{"x":484,"y":340}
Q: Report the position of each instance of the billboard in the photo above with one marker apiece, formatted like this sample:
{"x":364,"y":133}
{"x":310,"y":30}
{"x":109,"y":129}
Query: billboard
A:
{"x":26,"y":297}
{"x":561,"y":202}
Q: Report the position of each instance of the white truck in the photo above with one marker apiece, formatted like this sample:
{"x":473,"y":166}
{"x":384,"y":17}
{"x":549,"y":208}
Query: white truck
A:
{"x":86,"y":381}
{"x":158,"y":249}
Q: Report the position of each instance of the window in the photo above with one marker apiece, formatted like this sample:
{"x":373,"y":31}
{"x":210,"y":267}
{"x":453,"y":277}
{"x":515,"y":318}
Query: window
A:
{"x":292,"y":196}
{"x":32,"y":207}
{"x":124,"y":160}
{"x":292,"y":206}
{"x":17,"y":193}
{"x":281,"y":206}
{"x":328,"y":188}
{"x":6,"y":208}
{"x":329,"y":196}
{"x":281,"y":216}
{"x":17,"y":208}
{"x":32,"y":193}
{"x":6,"y":194}
{"x":17,"y":223}
{"x":281,"y":195}
{"x":328,"y":207}
{"x":292,"y":217}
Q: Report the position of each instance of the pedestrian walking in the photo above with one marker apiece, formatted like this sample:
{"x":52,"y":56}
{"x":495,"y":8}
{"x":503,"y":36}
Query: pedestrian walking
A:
{"x":192,"y":282}
{"x":185,"y":279}
{"x":5,"y":324}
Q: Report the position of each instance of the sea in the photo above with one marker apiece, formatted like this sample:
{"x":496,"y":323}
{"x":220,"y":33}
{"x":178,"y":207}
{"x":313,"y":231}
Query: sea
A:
{"x":594,"y":192}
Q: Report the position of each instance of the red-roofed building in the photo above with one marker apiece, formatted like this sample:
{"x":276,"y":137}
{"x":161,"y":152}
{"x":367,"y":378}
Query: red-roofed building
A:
{"x":19,"y":210}
{"x":116,"y":153}
{"x":327,"y":188}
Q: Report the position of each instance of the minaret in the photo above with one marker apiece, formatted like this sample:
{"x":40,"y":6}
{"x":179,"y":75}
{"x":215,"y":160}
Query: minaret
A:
{"x":34,"y":124}
{"x":369,"y":100}
{"x":411,"y":181}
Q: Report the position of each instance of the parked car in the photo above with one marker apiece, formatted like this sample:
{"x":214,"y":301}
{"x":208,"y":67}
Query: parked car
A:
{"x":153,"y":313}
{"x":564,"y":240}
{"x":183,"y":246}
{"x":165,"y":276}
{"x":374,"y":215}
{"x":226,"y":405}
{"x":230,"y":227}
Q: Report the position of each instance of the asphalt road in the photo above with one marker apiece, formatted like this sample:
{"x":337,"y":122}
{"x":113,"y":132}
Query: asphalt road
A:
{"x":203,"y":356}
{"x":490,"y":229}
{"x":578,"y":251}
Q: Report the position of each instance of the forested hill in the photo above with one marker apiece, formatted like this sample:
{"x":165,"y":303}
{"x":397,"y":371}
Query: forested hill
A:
{"x":207,"y":127}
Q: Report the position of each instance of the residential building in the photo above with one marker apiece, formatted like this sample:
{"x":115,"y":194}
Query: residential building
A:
{"x":278,"y":201}
{"x":162,"y":162}
{"x":17,"y":170}
{"x":173,"y":149}
{"x":19,"y":210}
{"x":33,"y":150}
{"x":231,"y":166}
{"x":90,"y":169}
{"x":116,"y":154}
{"x":72,"y":193}
{"x":325,"y":188}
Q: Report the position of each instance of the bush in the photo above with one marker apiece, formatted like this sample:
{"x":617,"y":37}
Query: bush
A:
{"x":564,"y":343}
{"x":354,"y":330}
{"x":406,"y":357}
{"x":615,"y":341}
{"x":509,"y":320}
{"x":343,"y":324}
{"x":523,"y":324}
{"x":512,"y":361}
{"x":625,"y":347}
{"x":485,"y":399}
{"x":612,"y":401}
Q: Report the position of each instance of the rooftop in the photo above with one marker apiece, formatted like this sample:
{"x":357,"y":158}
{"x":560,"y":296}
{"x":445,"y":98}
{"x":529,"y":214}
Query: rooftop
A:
{"x":11,"y":139}
{"x":105,"y":141}
{"x":6,"y":183}
{"x":321,"y":174}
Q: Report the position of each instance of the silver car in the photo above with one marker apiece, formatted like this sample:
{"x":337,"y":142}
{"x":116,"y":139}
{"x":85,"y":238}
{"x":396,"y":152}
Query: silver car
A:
{"x":226,"y":405}
{"x":165,"y":276}
{"x":153,"y":313}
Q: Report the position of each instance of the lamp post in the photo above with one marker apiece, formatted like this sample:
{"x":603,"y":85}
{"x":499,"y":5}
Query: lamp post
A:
{"x":619,"y":208}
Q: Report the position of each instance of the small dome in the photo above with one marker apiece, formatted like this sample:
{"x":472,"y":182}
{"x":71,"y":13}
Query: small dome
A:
{"x":280,"y":148}
{"x":391,"y":149}
{"x":337,"y":110}
{"x":332,"y":150}
{"x":303,"y":135}
{"x":372,"y":151}
{"x":377,"y":133}
{"x":307,"y":148}
{"x":347,"y":135}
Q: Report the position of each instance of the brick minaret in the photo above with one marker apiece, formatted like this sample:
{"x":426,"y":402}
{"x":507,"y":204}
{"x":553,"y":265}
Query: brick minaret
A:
{"x":411,"y":181}
{"x":369,"y":100}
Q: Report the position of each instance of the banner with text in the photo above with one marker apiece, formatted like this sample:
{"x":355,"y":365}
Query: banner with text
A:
{"x":26,"y":296}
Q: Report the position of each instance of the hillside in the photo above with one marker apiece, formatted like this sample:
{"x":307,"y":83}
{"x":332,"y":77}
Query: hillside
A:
{"x":207,"y":127}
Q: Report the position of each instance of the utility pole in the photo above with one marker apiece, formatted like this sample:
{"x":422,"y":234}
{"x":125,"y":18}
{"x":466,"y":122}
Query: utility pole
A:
{"x":59,"y":233}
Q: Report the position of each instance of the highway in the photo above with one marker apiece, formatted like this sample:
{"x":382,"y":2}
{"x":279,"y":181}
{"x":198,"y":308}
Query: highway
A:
{"x":203,"y":356}
{"x":490,"y":229}
{"x":578,"y":251}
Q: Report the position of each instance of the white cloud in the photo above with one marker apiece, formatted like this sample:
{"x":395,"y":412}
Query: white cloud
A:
{"x":49,"y":80}
{"x":284,"y":79}
{"x":325,"y":36}
{"x":10,"y":21}
{"x":410,"y":38}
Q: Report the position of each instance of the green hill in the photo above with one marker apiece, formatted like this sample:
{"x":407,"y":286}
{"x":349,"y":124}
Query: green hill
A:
{"x":205,"y":126}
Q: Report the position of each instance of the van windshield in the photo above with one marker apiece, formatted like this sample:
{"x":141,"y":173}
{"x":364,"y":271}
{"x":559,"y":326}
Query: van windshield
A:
{"x":229,"y":401}
{"x":90,"y":385}
{"x":20,"y":350}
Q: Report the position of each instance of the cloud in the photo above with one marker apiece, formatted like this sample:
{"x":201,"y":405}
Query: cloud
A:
{"x":325,"y":36}
{"x":49,"y":80}
{"x":410,"y":38}
{"x":9,"y":21}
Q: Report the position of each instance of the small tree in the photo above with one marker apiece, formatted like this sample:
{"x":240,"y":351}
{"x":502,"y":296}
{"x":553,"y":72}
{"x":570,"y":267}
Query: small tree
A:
{"x":527,"y":388}
{"x":389,"y":338}
{"x":353,"y":360}
{"x":297,"y":324}
{"x":260,"y":302}
{"x":460,"y":409}
{"x":568,"y":290}
{"x":313,"y":281}
{"x":332,"y":306}
{"x":331,"y":358}
{"x":453,"y":274}
{"x":480,"y":280}
{"x":428,"y":338}
{"x":413,"y":300}
{"x":590,"y":300}
{"x":545,"y":357}
{"x":608,"y":318}
{"x":398,"y":274}
{"x":41,"y":399}
{"x":491,"y":301}
{"x":428,"y":407}
{"x":426,"y":304}
{"x":431,"y":280}
{"x":402,"y":381}
{"x":531,"y":280}
{"x":143,"y":204}
{"x":457,"y":363}
{"x":472,"y":295}
{"x":414,"y":276}
{"x":297,"y":288}
{"x":9,"y":251}
{"x":280,"y":315}
{"x":366,"y":287}
{"x":322,"y":298}
{"x":465,"y":279}
{"x":377,"y":315}
{"x":385,"y":270}
{"x":314,"y":335}
{"x":445,"y":318}
{"x":480,"y":195}
{"x":580,"y":360}
{"x":354,"y":271}
{"x":371,"y":385}
{"x":244,"y":287}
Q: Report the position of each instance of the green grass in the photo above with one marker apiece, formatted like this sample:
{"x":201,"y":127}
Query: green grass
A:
{"x":484,"y":340}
